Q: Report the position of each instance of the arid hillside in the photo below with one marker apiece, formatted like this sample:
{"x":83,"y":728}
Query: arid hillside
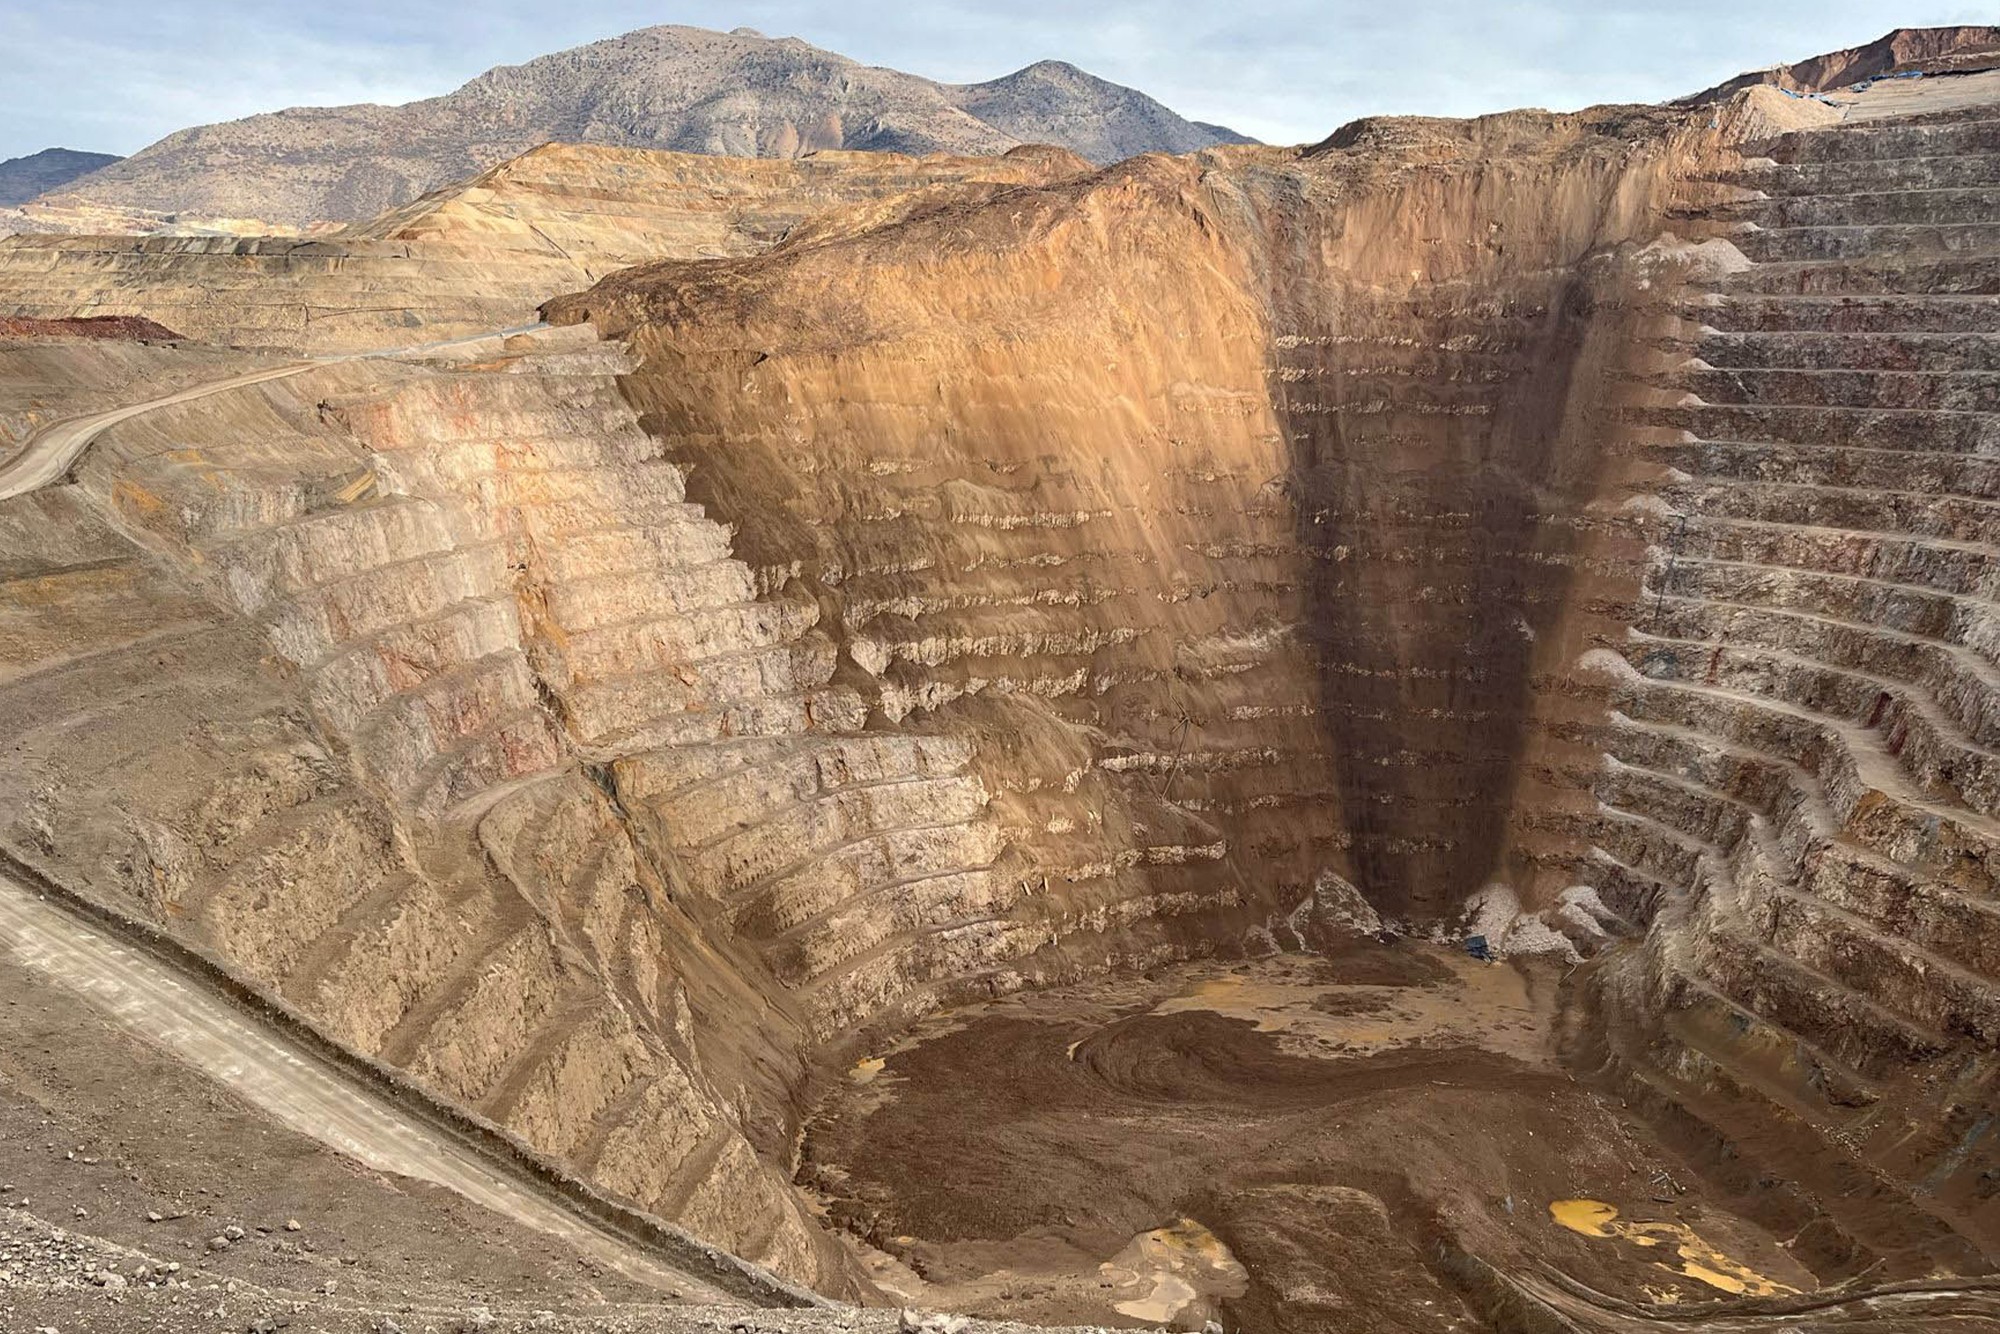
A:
{"x":22,"y":178}
{"x":738,"y":94}
{"x":1903,"y":51}
{"x":481,"y":254}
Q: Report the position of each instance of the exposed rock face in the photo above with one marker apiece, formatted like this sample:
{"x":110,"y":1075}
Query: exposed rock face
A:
{"x":987,"y":654}
{"x":605,"y":208}
{"x":351,"y":782}
{"x":1173,"y":484}
{"x":88,"y":326}
{"x":22,"y":178}
{"x":43,"y":379}
{"x":1965,"y":46}
{"x":738,"y":93}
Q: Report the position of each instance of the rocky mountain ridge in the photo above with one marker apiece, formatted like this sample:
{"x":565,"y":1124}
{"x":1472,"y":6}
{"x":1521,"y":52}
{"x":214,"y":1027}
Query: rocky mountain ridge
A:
{"x":22,"y":178}
{"x":738,"y":94}
{"x":1935,"y":50}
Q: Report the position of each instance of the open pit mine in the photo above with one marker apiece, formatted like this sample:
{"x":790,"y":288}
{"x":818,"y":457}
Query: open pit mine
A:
{"x":1399,"y":735}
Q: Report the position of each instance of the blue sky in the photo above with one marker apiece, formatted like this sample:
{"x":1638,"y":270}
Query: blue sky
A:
{"x":114,"y":75}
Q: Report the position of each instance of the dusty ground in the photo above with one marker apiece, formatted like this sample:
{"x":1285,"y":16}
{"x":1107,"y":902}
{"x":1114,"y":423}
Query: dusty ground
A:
{"x":44,"y":379}
{"x":1322,"y":1124}
{"x":100,"y":1132}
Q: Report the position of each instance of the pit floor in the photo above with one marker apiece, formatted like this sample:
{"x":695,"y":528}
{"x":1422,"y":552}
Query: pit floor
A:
{"x":1288,"y":1144}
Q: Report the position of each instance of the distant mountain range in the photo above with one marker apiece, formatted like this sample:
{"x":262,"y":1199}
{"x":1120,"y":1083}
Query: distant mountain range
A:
{"x":22,"y":178}
{"x":737,"y":93}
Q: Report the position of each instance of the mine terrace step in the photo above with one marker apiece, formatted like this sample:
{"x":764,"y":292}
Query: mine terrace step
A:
{"x":1944,"y":172}
{"x":1869,"y":241}
{"x":1895,"y":513}
{"x":1876,"y":428}
{"x":1923,"y":747}
{"x":1954,"y":275}
{"x":1901,"y":842}
{"x":1868,"y":141}
{"x":1824,"y":465}
{"x":1913,"y":313}
{"x":1959,"y":680}
{"x":1936,"y":353}
{"x":1876,"y":208}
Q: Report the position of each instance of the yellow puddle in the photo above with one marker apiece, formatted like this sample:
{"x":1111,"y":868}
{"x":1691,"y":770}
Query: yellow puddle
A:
{"x":1698,"y":1260}
{"x":1163,"y":1272}
{"x":1479,"y":1005}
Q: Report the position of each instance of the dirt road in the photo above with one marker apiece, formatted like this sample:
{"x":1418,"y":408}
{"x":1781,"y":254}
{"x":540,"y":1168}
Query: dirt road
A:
{"x":145,"y":997}
{"x":50,"y":452}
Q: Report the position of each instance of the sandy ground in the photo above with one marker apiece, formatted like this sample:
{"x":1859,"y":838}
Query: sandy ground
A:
{"x":110,"y":1138}
{"x":1279,"y":1145}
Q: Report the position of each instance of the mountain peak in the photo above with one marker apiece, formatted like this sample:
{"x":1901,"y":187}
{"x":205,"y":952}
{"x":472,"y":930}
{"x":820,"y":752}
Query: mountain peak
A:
{"x":736,"y":93}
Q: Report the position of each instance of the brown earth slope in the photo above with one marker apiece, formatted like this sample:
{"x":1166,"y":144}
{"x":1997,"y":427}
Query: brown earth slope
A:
{"x":482,"y":254}
{"x":1963,"y":47}
{"x":1173,"y":485}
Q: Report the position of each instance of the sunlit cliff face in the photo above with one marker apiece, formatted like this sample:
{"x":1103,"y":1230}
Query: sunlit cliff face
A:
{"x":1235,"y":502}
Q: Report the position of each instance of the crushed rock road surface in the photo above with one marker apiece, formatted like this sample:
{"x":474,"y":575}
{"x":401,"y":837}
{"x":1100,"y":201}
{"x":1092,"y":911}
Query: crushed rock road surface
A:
{"x":147,"y":999}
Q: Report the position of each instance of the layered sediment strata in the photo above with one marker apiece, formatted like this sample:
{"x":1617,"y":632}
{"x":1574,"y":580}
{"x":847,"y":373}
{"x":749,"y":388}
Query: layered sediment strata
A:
{"x":480,"y":255}
{"x":294,"y":712}
{"x":1222,"y":506}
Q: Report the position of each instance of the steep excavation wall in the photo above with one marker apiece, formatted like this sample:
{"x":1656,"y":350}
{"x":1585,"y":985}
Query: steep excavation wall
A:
{"x":1027,"y":574}
{"x":1299,"y":553}
{"x":329,"y":677}
{"x":292,"y":708}
{"x":1226,"y":507}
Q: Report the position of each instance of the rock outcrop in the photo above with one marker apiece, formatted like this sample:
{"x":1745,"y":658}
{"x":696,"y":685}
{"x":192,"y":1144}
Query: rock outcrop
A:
{"x":1167,"y":488}
{"x":299,"y":667}
{"x":1904,"y":50}
{"x":483,"y":254}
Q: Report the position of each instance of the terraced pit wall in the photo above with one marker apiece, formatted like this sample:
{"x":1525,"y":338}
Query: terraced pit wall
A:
{"x":1802,"y":746}
{"x":292,"y":709}
{"x":1231,"y":509}
{"x":999,"y":584}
